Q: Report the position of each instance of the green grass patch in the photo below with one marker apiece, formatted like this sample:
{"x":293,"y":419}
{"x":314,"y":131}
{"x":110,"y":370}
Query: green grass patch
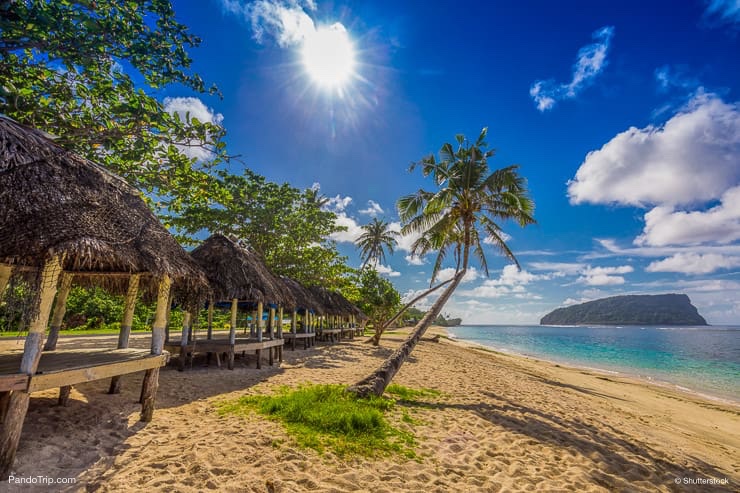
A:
{"x":326,"y":417}
{"x":409,"y":394}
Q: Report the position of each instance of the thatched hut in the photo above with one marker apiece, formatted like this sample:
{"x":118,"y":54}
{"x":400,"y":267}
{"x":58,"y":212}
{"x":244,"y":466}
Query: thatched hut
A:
{"x":339,"y":314}
{"x":63,"y":217}
{"x":240,"y":277}
{"x":309,"y":308}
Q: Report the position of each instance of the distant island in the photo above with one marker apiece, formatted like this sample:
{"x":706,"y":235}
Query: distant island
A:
{"x":413,"y":315}
{"x":660,"y":309}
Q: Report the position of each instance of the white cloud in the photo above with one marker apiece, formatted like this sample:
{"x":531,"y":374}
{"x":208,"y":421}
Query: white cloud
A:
{"x":414,"y":260}
{"x":692,"y":158}
{"x":373,"y":209}
{"x":353,"y":232}
{"x":490,"y":241}
{"x":404,"y":242}
{"x":511,"y":281}
{"x":590,"y":62}
{"x":558,"y":269}
{"x":694,"y":263}
{"x":448,"y":273}
{"x":604,"y":276}
{"x":286,"y":22}
{"x":720,"y":12}
{"x":387,"y":270}
{"x":194,"y":108}
{"x":337,"y":203}
{"x":720,"y":224}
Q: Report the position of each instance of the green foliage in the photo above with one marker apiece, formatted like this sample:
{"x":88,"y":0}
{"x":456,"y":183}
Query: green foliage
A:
{"x":325,"y":417}
{"x":87,"y":71}
{"x":468,"y":205}
{"x":288,"y":227}
{"x":408,"y":394}
{"x":96,"y":309}
{"x":375,"y":238}
{"x":376,"y":296}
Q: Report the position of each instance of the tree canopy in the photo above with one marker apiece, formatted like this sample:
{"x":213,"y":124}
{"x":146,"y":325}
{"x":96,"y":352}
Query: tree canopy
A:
{"x":376,"y":237}
{"x":88,"y":73}
{"x":288,"y":227}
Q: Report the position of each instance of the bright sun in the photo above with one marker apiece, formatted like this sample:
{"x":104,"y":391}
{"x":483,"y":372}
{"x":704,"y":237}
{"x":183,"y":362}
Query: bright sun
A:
{"x":329,"y":56}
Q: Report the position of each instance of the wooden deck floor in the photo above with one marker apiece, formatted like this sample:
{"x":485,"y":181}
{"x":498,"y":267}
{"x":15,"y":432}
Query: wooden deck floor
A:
{"x":274,"y":348}
{"x":72,"y":366}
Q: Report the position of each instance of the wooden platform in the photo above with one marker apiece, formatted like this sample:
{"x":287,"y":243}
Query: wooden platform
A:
{"x":221,"y":346}
{"x":309,"y":338}
{"x":330,"y":335}
{"x":72,"y":366}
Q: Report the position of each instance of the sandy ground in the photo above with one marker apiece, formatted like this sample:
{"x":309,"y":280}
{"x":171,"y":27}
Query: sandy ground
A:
{"x":503,"y":423}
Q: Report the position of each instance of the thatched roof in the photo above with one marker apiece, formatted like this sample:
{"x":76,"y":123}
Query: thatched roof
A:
{"x":304,"y":298}
{"x":334,"y":303}
{"x":53,"y":201}
{"x":236,"y":272}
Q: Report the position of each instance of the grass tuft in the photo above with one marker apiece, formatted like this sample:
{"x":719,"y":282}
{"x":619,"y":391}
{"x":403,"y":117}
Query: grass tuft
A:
{"x":409,"y":394}
{"x":326,"y":417}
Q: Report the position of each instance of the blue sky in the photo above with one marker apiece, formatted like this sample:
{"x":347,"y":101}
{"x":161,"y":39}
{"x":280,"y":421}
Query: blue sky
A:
{"x":623,"y":116}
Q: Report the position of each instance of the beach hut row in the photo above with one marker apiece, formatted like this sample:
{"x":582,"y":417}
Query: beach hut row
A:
{"x":65,"y":220}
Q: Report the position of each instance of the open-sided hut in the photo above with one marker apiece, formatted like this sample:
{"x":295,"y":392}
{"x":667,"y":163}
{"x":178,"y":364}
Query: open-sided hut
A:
{"x":239,"y":276}
{"x":62,"y":218}
{"x":338,"y":314}
{"x":308,"y":308}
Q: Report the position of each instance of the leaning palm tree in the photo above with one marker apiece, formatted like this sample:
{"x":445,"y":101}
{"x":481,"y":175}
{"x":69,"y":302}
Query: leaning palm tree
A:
{"x":376,"y":237}
{"x":470,"y":204}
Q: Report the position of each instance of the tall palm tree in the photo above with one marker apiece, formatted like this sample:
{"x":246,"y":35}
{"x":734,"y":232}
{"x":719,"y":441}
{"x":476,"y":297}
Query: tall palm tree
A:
{"x":374,"y":240}
{"x":470,"y":204}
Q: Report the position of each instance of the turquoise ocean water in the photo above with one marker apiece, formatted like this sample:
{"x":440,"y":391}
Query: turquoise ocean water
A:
{"x":700,"y":359}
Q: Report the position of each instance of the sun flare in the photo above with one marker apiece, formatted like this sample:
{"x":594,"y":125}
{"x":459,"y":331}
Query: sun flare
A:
{"x":329,"y":56}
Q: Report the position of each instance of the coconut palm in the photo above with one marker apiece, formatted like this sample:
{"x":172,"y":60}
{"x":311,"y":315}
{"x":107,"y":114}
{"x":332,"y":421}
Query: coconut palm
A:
{"x":375,"y":239}
{"x":470,"y":205}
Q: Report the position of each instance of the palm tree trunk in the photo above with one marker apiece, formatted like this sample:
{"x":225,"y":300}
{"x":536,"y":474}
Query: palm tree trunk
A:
{"x":376,"y":382}
{"x":375,"y":339}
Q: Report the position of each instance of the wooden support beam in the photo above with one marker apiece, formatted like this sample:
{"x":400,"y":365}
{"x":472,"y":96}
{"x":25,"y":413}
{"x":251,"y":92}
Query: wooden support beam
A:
{"x":17,"y":405}
{"x":293,"y":322}
{"x":184,"y":339}
{"x":126,"y":323}
{"x":280,"y":323}
{"x":271,"y":323}
{"x":60,"y":307}
{"x":210,"y":319}
{"x":5,"y":272}
{"x":260,"y":311}
{"x":151,"y":377}
{"x":64,"y":392}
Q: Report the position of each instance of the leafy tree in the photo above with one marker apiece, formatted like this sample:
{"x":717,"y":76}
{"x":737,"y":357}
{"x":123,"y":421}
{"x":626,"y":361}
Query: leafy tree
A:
{"x":286,"y":226}
{"x":87,"y":72}
{"x":376,"y":237}
{"x":377,"y":298}
{"x":469,"y":200}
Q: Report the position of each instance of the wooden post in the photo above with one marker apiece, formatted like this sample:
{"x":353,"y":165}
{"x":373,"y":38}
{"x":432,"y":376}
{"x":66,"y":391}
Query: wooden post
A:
{"x":260,"y":310}
{"x":126,"y":322}
{"x":210,"y":319}
{"x":5,"y":272}
{"x":151,"y":377}
{"x":280,"y":323}
{"x":17,"y":406}
{"x":184,"y":340}
{"x":232,"y":332}
{"x":64,"y":395}
{"x":271,"y":324}
{"x":293,"y":321}
{"x":59,"y":308}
